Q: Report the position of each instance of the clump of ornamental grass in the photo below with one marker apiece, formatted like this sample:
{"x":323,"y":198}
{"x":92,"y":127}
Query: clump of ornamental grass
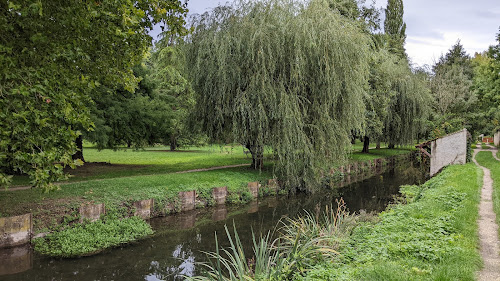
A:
{"x":301,"y":243}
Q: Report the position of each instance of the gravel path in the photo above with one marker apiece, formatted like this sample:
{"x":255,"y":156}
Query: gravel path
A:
{"x":488,"y":228}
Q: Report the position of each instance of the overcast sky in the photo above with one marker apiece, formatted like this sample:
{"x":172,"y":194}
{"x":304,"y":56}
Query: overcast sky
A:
{"x":433,"y":26}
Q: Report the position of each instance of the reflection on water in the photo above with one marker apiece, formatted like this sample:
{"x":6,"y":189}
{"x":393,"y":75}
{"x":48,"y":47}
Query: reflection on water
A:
{"x":180,"y":239}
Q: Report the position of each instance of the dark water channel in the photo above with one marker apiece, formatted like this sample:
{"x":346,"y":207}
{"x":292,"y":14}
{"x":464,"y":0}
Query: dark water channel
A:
{"x":176,"y":247}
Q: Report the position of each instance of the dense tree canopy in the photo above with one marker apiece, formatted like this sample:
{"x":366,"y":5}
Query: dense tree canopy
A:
{"x":281,"y":74}
{"x":486,"y":83}
{"x":451,"y":88}
{"x":409,"y":108}
{"x":52,"y":55}
{"x":168,"y":66}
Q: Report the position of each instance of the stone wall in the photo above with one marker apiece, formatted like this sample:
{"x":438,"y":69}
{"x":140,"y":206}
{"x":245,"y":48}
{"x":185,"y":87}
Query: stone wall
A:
{"x":15,"y":231}
{"x":450,"y":149}
{"x":91,"y":212}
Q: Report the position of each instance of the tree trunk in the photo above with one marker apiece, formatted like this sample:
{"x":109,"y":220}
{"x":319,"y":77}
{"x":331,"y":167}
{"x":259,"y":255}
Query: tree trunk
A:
{"x":353,"y":140}
{"x":378,"y":145}
{"x":79,"y":146}
{"x":366,"y":145}
{"x":173,"y":143}
{"x":257,"y":152}
{"x":391,"y":146}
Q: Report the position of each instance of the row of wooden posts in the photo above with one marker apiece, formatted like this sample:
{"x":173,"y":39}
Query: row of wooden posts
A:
{"x":18,"y":230}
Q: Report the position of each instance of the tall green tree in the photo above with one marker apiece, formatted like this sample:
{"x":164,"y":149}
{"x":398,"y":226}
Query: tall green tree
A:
{"x":281,"y":74}
{"x":451,"y":87}
{"x":123,"y":117}
{"x":395,"y":27}
{"x":486,"y":85}
{"x":53,"y":54}
{"x":358,"y":10}
{"x":174,"y":89}
{"x":383,"y":73}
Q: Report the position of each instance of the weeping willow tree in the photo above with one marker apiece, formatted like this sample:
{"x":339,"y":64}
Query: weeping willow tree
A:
{"x":409,"y":108}
{"x":281,"y":74}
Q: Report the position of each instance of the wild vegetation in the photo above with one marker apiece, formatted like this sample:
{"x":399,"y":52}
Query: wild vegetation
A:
{"x":90,"y":238}
{"x":431,"y":234}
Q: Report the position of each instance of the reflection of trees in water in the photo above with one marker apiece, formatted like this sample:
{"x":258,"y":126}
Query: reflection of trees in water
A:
{"x":415,"y":170}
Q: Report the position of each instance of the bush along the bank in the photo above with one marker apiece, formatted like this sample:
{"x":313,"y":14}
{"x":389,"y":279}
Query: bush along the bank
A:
{"x":431,"y":234}
{"x":90,"y":238}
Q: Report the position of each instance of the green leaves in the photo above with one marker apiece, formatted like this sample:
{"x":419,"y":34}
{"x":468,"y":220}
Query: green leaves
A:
{"x":52,"y":57}
{"x":91,"y":238}
{"x":281,"y":74}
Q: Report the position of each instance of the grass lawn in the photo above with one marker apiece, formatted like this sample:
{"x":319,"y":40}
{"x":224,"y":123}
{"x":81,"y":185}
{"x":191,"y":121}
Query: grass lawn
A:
{"x":432,"y":237}
{"x":117,"y":190}
{"x":108,"y":163}
{"x":378,"y":153}
{"x":130,"y":175}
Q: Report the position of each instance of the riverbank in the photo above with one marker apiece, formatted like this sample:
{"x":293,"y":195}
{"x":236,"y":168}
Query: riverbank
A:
{"x":431,"y":234}
{"x":121,"y":197}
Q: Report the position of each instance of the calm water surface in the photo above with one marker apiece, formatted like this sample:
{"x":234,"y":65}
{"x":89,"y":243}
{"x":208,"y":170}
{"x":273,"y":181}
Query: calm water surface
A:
{"x":180,"y":239}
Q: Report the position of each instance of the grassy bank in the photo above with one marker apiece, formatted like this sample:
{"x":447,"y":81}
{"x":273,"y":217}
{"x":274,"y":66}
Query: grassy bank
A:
{"x":433,"y":237}
{"x":51,"y":208}
{"x":485,"y":159}
{"x":130,"y":175}
{"x":430,"y":235}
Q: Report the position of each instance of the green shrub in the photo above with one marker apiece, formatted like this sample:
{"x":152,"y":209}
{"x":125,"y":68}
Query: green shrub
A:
{"x":91,"y":238}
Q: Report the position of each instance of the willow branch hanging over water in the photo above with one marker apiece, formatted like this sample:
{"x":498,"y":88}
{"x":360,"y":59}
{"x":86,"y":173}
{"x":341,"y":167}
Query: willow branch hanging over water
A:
{"x":281,"y":74}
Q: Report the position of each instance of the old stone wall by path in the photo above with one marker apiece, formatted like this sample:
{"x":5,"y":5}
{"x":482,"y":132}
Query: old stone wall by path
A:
{"x":448,"y":150}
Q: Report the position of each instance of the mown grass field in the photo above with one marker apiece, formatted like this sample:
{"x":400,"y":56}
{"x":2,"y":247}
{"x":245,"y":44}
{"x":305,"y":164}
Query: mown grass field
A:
{"x":122,"y":162}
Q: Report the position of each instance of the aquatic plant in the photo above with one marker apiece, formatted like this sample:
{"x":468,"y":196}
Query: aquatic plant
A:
{"x":301,"y":243}
{"x":91,"y":238}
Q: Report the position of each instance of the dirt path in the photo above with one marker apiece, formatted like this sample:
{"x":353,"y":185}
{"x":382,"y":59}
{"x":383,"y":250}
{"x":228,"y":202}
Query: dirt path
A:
{"x":488,"y":228}
{"x":181,"y":172}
